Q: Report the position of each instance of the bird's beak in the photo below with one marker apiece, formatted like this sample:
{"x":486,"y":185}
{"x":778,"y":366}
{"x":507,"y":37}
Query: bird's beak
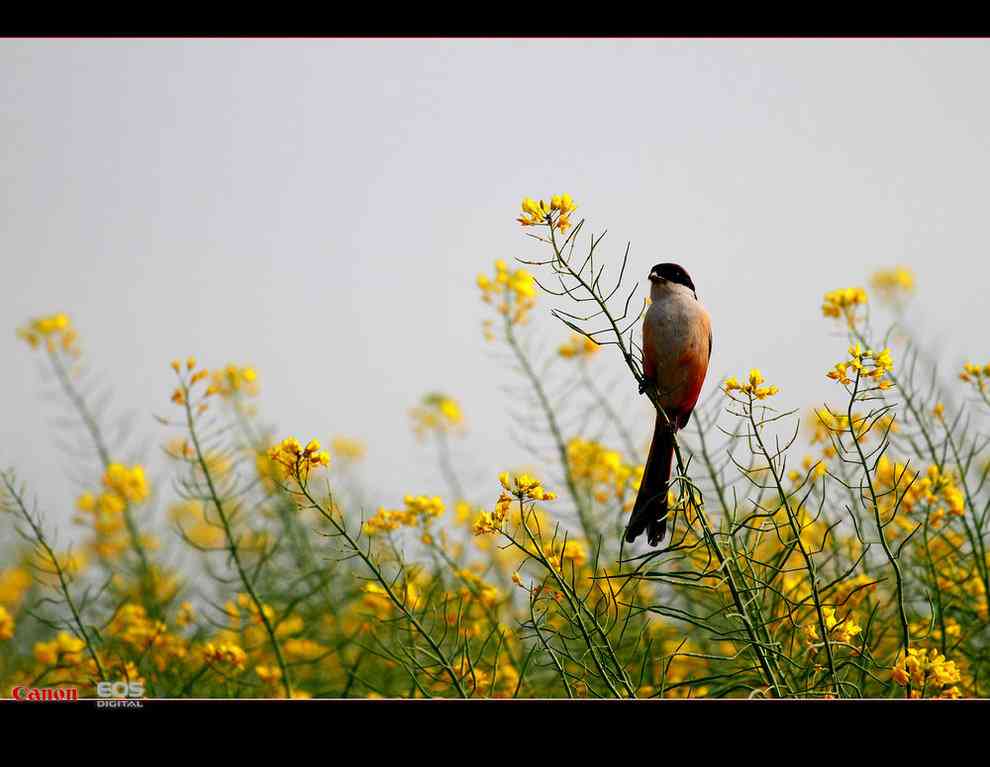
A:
{"x":654,"y":277}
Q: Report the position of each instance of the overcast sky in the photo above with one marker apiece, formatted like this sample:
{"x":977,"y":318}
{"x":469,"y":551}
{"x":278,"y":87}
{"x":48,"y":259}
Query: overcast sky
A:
{"x":320,"y":209}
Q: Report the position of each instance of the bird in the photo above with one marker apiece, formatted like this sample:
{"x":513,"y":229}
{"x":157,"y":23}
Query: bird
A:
{"x":677,"y":347}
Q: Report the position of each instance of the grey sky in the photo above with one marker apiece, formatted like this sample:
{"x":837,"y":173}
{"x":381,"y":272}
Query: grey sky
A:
{"x":319,"y":209}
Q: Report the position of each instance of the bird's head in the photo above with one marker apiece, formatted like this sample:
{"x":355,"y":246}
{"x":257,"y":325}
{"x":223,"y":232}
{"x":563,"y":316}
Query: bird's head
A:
{"x":664,"y":276}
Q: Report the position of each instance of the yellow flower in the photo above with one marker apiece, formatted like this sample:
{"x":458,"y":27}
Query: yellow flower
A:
{"x":529,"y":488}
{"x":579,"y":346}
{"x":485,"y":524}
{"x":270,"y":675}
{"x":865,"y":364}
{"x":64,"y":650}
{"x":752,"y":386}
{"x":186,"y":615}
{"x":923,"y":669}
{"x":437,"y":413}
{"x":556,"y":214}
{"x":128,"y":483}
{"x":602,"y":472}
{"x":14,"y":584}
{"x":55,"y":330}
{"x":575,"y":552}
{"x":418,"y":510}
{"x":839,"y":630}
{"x":225,"y":653}
{"x":7,"y":624}
{"x":523,"y":487}
{"x":46,"y":653}
{"x":232,"y":380}
{"x":977,"y":375}
{"x":893,"y":284}
{"x":512,"y":293}
{"x":900,"y":676}
{"x":347,"y":449}
{"x":68,"y":643}
{"x":843,"y":302}
{"x":295,"y":461}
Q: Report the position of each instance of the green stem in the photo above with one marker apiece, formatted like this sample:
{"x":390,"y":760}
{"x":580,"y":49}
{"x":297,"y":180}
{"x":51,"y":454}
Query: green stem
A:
{"x":232,"y":544}
{"x":39,"y":537}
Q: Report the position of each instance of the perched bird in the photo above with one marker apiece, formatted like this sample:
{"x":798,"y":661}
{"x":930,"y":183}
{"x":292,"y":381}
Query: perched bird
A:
{"x":677,"y":345}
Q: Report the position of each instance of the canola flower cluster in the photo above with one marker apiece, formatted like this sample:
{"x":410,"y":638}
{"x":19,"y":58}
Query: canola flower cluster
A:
{"x":146,"y":635}
{"x":977,"y":375}
{"x":436,"y":413}
{"x":419,"y":509}
{"x":926,"y":670}
{"x":521,"y":487}
{"x":579,"y":347}
{"x":225,"y":383}
{"x":64,"y":649}
{"x":55,"y":330}
{"x":233,"y":379}
{"x":65,"y":661}
{"x":572,"y":551}
{"x":751,"y":387}
{"x":866,"y":364}
{"x":296,"y":461}
{"x":14,"y":585}
{"x":104,"y":512}
{"x":556,"y":214}
{"x":225,"y":654}
{"x":603,"y":472}
{"x":512,"y":293}
{"x":7,"y":624}
{"x":936,"y":490}
{"x":843,"y":303}
{"x":816,"y":469}
{"x":346,"y":449}
{"x":891,"y":284}
{"x":477,"y":588}
{"x":825,"y":422}
{"x":838,"y":630}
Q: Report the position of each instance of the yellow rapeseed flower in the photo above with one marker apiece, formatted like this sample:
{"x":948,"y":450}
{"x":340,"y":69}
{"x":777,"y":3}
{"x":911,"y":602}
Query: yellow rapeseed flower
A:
{"x":752,"y":386}
{"x":556,"y":214}
{"x":55,"y":330}
{"x":419,"y":509}
{"x":295,"y":461}
{"x":579,"y":346}
{"x":843,"y":303}
{"x":232,"y":380}
{"x":225,"y":653}
{"x":978,"y":375}
{"x":893,"y":284}
{"x":128,"y":483}
{"x":864,"y":363}
{"x":347,"y":449}
{"x":436,"y":413}
{"x":925,"y":669}
{"x":14,"y":584}
{"x":7,"y":624}
{"x":513,"y":293}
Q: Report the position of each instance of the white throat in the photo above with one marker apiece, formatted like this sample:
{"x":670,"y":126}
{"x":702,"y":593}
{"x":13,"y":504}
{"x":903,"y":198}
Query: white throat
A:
{"x":664,"y":290}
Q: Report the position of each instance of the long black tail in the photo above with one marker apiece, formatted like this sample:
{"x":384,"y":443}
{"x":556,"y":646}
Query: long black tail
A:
{"x":650,"y":510}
